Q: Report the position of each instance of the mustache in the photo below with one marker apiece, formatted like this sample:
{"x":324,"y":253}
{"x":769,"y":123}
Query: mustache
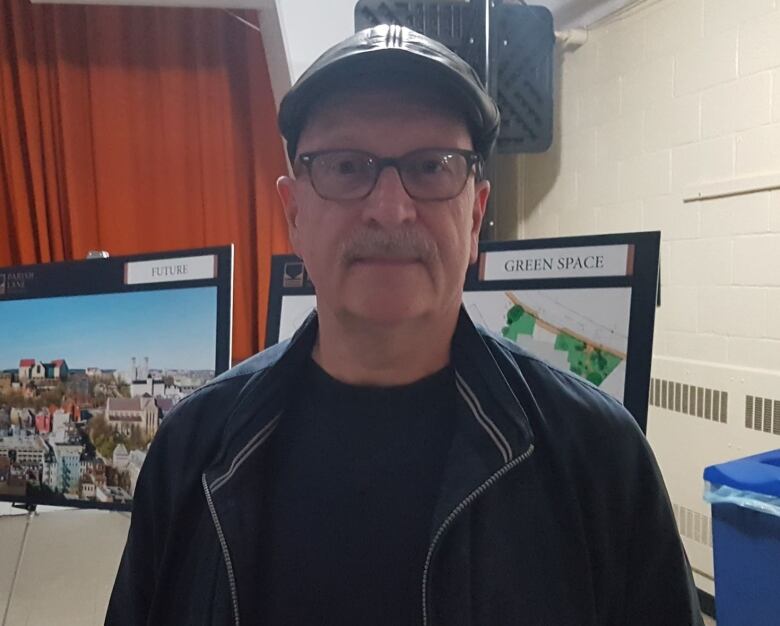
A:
{"x":382,"y":244}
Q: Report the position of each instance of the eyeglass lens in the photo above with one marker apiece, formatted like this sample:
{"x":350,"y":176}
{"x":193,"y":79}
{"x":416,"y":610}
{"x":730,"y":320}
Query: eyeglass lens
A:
{"x":425,"y":174}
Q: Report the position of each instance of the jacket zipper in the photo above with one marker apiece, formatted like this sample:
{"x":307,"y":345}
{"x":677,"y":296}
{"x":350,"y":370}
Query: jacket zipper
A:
{"x":455,"y":513}
{"x":225,"y":553}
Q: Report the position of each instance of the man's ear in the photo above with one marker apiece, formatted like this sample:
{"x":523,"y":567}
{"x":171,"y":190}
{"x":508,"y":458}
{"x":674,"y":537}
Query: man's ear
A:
{"x":481,"y":195}
{"x":285,"y":187}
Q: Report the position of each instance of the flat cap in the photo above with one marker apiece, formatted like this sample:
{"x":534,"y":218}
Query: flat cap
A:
{"x":387,"y":52}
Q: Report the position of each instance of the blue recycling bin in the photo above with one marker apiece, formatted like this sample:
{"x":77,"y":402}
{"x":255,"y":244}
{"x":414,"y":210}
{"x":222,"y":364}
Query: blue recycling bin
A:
{"x":745,"y":498}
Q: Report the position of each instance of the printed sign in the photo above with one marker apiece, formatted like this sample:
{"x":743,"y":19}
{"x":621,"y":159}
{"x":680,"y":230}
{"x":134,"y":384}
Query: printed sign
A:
{"x":171,"y":270}
{"x":579,"y":262}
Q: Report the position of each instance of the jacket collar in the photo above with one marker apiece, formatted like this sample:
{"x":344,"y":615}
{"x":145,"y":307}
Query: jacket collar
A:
{"x":493,"y":428}
{"x":261,"y":403}
{"x":486,"y":377}
{"x":493,"y":425}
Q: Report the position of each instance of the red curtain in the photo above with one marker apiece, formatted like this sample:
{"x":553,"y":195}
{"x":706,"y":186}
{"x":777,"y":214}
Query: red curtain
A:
{"x":139,"y":130}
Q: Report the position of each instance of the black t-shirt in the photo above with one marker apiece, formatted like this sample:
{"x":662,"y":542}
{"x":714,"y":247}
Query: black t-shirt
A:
{"x":354,"y":475}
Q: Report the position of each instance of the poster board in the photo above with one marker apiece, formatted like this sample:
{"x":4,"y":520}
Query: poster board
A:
{"x":94,"y":355}
{"x":584,"y":304}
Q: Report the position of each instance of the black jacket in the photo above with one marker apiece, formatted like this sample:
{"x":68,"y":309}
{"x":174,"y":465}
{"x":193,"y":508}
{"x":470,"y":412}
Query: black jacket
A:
{"x":552,"y":510}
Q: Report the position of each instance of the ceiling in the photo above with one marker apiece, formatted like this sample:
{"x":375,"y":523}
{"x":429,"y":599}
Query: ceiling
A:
{"x":581,"y":13}
{"x":567,"y":13}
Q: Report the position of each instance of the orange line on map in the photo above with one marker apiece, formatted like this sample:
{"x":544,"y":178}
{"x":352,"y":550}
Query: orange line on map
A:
{"x":555,"y":329}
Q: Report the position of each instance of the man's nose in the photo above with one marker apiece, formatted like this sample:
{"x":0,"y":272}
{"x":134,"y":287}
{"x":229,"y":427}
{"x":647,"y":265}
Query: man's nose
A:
{"x":389,"y":204}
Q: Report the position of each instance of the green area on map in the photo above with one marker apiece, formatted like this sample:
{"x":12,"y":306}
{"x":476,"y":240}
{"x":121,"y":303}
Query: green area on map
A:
{"x":518,"y":323}
{"x":593,"y":364}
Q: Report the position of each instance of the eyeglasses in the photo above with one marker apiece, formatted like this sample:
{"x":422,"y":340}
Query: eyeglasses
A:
{"x":427,"y":174}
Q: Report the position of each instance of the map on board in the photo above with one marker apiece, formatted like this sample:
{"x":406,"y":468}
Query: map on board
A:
{"x":583,"y":331}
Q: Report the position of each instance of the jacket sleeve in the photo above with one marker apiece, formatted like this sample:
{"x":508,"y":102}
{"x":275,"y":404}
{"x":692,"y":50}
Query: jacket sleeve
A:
{"x":640,"y":573}
{"x":643,"y":574}
{"x":166,"y":504}
{"x":134,"y":586}
{"x":659,"y":583}
{"x":164,"y":480}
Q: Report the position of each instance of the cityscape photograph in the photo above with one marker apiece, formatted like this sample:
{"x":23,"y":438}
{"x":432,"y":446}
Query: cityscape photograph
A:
{"x":77,"y":415}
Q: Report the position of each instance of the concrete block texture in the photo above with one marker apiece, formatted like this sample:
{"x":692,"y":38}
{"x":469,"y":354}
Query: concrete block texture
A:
{"x":754,"y":353}
{"x":709,"y":61}
{"x":757,"y":260}
{"x":648,"y":84}
{"x":737,"y":105}
{"x":720,"y":15}
{"x":774,"y":211}
{"x":772,"y":313}
{"x":735,"y":215}
{"x":702,"y":262}
{"x":733,"y":311}
{"x":673,"y":217}
{"x":645,"y":176}
{"x":776,"y":96}
{"x":672,"y":123}
{"x":670,"y":26}
{"x":759,"y":45}
{"x":758,"y":150}
{"x":702,"y":162}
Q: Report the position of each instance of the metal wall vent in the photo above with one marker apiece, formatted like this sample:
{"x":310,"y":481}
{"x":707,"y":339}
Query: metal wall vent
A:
{"x":693,"y":525}
{"x":522,"y":76}
{"x":762,"y":414}
{"x":709,"y":404}
{"x":517,"y":64}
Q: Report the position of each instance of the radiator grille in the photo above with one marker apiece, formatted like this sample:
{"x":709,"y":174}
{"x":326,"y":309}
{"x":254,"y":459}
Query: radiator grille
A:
{"x":709,"y":404}
{"x":693,"y":525}
{"x":762,"y":414}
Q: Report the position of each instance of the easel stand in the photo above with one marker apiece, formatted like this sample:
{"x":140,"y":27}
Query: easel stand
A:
{"x":31,"y":512}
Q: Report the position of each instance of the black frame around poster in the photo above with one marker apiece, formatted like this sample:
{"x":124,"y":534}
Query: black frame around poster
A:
{"x":643,"y":282}
{"x":110,"y":276}
{"x":289,"y":278}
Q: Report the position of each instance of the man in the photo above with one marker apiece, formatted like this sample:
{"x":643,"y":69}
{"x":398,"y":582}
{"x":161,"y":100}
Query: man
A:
{"x":393,"y":464}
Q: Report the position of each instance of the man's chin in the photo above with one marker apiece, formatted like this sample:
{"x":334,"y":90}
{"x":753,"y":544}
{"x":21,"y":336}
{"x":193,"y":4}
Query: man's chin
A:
{"x":388,"y":296}
{"x":387,"y":311}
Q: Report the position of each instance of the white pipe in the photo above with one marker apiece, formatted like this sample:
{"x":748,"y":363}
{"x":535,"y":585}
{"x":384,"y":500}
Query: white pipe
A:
{"x":571,"y":39}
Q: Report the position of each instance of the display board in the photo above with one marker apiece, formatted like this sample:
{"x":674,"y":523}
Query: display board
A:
{"x":584,"y":304}
{"x":94,"y":355}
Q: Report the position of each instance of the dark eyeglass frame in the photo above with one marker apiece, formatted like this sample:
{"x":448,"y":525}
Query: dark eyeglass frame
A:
{"x":474,"y":164}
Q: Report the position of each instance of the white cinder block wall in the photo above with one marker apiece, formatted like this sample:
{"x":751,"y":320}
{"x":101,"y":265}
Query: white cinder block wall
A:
{"x":672,"y":101}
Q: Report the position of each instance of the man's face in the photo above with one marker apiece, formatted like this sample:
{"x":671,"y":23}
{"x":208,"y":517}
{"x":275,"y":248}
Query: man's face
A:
{"x":387,"y":257}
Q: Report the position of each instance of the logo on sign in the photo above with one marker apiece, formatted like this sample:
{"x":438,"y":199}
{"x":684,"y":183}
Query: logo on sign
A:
{"x":294,"y":275}
{"x":15,"y":282}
